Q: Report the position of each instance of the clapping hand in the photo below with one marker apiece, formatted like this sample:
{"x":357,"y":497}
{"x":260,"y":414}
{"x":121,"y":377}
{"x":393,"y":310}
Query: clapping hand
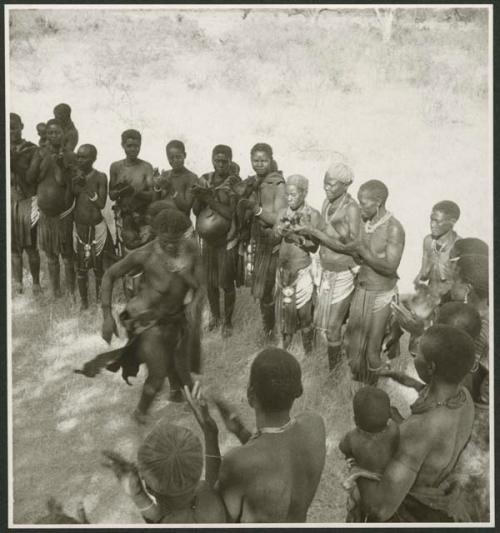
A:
{"x":199,"y":406}
{"x":406,"y":320}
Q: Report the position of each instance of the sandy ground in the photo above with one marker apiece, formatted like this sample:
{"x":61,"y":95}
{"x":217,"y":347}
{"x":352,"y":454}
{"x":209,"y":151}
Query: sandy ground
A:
{"x":412,"y":112}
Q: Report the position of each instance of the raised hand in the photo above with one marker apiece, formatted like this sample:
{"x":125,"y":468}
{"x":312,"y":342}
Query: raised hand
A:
{"x":199,"y":406}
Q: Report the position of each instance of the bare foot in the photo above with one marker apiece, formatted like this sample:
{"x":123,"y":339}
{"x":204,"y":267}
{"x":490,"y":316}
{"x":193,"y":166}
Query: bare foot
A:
{"x":36,"y":289}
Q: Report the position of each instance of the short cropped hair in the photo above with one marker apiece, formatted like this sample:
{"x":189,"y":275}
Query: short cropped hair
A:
{"x":299,"y":181}
{"x":92,"y":148}
{"x":469,"y":245}
{"x":474,"y":269}
{"x":158,"y":206}
{"x":63,"y":108}
{"x":451,"y":350}
{"x":16,"y":118}
{"x":53,"y":122}
{"x":222,"y":149}
{"x":131,"y":134}
{"x":372,"y":409}
{"x":276,"y":379}
{"x":262,"y":147}
{"x":448,"y":208}
{"x":176,"y":144}
{"x":461,"y":316}
{"x":171,"y":222}
{"x":377,"y":189}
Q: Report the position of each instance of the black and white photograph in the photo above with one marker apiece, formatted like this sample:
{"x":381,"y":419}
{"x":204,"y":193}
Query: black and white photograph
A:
{"x":249,"y":265}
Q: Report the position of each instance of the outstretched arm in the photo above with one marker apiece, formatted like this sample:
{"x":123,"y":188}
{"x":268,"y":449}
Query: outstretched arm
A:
{"x":114,"y":272}
{"x":200,"y":410}
{"x":402,"y":378}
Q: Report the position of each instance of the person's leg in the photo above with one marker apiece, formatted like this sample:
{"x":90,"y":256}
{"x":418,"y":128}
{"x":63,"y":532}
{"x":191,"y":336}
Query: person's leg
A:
{"x":287,"y":340}
{"x":214,"y":303}
{"x":304,"y":315}
{"x":338,"y":311}
{"x":229,"y":303}
{"x":34,"y":265}
{"x":54,"y":274}
{"x":98,"y":273}
{"x":374,"y":342}
{"x":69,"y":271}
{"x":267,"y":301}
{"x":151,"y":351}
{"x":83,"y":286}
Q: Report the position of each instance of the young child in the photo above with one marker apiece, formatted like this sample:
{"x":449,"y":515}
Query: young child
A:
{"x":375,"y":439}
{"x":41,"y":129}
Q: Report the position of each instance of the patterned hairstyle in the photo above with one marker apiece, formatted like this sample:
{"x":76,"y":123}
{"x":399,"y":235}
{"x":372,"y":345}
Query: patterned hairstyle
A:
{"x":461,"y":316}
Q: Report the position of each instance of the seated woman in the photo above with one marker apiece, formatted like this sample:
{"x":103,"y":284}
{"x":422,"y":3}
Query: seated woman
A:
{"x":417,"y":484}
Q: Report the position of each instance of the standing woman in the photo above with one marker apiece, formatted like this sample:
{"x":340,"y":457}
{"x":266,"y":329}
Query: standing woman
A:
{"x":265,"y":197}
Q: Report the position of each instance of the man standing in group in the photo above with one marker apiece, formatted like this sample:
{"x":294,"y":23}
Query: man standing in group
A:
{"x":378,"y":250}
{"x":341,"y":219}
{"x":23,"y":207}
{"x":91,"y":235}
{"x":266,"y":191}
{"x":52,"y":169}
{"x":62,"y":113}
{"x":214,"y":207}
{"x":175,"y":186}
{"x":294,"y":279}
{"x":436,"y":269}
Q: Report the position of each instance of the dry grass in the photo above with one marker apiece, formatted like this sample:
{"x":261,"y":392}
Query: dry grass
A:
{"x":62,"y":420}
{"x":412,"y":111}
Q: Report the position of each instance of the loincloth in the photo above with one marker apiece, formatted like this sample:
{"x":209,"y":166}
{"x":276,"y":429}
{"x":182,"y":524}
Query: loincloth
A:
{"x":24,"y":216}
{"x":90,"y":243}
{"x":185,"y":341}
{"x":334,"y":287}
{"x":364,"y":305}
{"x":55,"y":234}
{"x":221,"y":263}
{"x":286,"y":305}
{"x":264,"y":267}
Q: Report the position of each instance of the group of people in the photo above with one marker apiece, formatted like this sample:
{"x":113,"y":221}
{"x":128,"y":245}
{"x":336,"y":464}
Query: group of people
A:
{"x":182,"y":240}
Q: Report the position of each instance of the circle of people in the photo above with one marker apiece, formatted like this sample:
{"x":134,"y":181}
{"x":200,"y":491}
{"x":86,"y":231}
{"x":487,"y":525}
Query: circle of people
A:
{"x":260,"y":232}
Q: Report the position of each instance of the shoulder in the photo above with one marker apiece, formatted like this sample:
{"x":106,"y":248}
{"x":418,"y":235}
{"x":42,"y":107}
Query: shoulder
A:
{"x":116,"y":164}
{"x":146,"y":165}
{"x":352,"y":208}
{"x":101,"y":176}
{"x":311,"y":419}
{"x":395,"y":229}
{"x":427,"y":241}
{"x":192,"y":176}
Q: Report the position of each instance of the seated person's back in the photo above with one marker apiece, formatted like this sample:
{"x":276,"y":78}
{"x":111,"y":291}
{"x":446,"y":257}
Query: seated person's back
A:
{"x":274,"y":476}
